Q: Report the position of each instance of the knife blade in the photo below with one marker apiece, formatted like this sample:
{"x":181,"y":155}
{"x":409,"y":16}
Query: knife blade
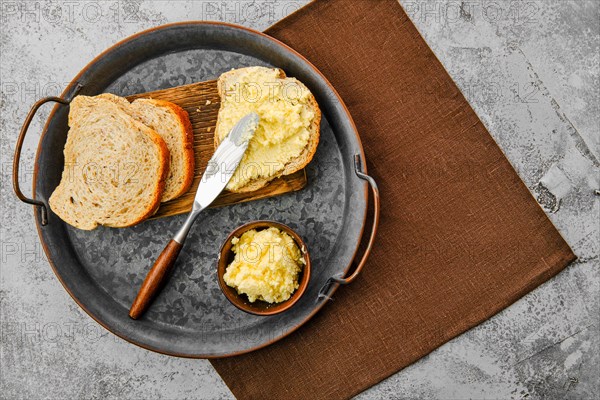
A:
{"x":225,"y":160}
{"x":218,"y":173}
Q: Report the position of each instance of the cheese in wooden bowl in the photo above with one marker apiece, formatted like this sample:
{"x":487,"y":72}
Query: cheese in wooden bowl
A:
{"x":263,"y":267}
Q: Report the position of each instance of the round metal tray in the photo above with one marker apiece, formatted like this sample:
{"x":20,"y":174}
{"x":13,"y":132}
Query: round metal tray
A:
{"x":103,"y":269}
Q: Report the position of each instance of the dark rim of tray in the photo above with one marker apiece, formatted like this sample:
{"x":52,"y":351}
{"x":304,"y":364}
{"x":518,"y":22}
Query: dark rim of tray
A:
{"x":71,"y":88}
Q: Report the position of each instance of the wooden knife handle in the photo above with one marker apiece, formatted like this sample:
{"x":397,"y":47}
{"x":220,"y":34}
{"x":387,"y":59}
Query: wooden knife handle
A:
{"x":155,"y":279}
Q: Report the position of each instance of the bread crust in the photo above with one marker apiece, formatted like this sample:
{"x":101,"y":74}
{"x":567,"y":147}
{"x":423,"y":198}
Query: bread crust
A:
{"x":164,"y":160}
{"x":60,"y":196}
{"x":294,"y":165}
{"x":188,"y":140}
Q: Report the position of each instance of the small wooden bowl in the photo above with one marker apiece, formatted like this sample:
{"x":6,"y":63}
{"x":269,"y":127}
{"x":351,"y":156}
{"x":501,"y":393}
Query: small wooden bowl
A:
{"x":259,"y":307}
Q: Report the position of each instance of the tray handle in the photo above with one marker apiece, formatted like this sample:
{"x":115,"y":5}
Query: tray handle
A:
{"x":17,"y":158}
{"x":339,"y":279}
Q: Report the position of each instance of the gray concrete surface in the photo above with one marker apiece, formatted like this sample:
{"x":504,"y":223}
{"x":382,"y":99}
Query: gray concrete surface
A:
{"x":531,"y":71}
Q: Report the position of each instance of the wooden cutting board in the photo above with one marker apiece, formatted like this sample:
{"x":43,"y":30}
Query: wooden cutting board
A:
{"x":201,"y":100}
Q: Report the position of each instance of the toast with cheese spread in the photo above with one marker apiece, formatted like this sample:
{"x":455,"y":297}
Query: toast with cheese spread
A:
{"x":288,"y":131}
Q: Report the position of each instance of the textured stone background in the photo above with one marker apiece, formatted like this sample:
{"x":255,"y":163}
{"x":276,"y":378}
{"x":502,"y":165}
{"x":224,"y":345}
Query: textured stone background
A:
{"x":531,"y":71}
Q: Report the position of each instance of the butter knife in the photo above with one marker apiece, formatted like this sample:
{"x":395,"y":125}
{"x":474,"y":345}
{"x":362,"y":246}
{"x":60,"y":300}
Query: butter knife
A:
{"x":218,"y":173}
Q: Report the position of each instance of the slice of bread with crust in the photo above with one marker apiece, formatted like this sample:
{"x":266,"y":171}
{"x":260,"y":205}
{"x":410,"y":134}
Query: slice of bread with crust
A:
{"x":172,"y":123}
{"x":288,"y":132}
{"x":115,"y":167}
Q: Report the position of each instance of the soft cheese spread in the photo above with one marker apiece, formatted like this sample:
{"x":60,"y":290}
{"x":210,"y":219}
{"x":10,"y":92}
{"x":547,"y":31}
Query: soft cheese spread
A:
{"x":266,"y":265}
{"x":286,"y":115}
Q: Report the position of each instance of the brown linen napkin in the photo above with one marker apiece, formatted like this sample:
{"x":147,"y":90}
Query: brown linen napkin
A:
{"x":460,"y":236}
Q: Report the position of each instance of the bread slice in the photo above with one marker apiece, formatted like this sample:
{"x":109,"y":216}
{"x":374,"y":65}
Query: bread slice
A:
{"x":173,"y":124}
{"x":288,"y":132}
{"x":115,"y":167}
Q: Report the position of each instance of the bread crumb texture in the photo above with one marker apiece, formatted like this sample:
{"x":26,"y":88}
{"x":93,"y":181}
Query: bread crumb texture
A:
{"x":115,"y":167}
